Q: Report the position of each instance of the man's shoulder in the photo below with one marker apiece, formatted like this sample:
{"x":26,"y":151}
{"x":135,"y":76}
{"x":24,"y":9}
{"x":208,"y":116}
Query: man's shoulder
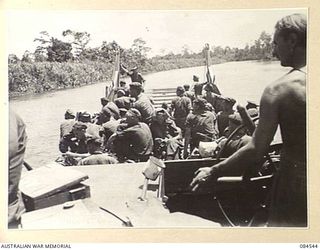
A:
{"x":192,"y":116}
{"x":93,"y":128}
{"x":92,"y":125}
{"x":69,"y":137}
{"x":134,"y":127}
{"x":112,"y":106}
{"x":144,"y":100}
{"x":175,"y":99}
{"x":111,"y":123}
{"x":142,"y":97}
{"x":121,"y":98}
{"x":206,"y":113}
{"x":297,"y":76}
{"x":186,"y":99}
{"x":245,"y":139}
{"x":143,"y":125}
{"x":291,"y":85}
{"x":68,"y":122}
{"x":169,"y":121}
{"x":291,"y":81}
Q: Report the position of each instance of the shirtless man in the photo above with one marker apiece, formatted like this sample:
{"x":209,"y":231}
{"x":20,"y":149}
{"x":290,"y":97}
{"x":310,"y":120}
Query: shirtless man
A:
{"x":134,"y":74}
{"x":282,"y":103}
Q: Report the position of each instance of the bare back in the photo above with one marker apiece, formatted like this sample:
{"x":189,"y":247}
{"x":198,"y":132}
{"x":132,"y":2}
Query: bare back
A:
{"x":292,"y":114}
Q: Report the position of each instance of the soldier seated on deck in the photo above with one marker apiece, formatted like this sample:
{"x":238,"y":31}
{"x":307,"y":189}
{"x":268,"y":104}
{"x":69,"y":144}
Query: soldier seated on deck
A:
{"x":223,"y":116}
{"x":200,"y":126}
{"x":108,"y":126}
{"x":74,"y":145}
{"x":124,"y":88}
{"x":85,"y":117}
{"x":66,"y":125}
{"x":123,"y":101}
{"x":166,"y":135}
{"x":143,"y":103}
{"x":133,"y":139}
{"x":96,"y":156}
{"x":107,"y":104}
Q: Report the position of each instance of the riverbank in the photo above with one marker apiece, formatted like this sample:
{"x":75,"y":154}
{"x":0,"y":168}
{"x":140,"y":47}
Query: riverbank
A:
{"x":41,"y":77}
{"x":28,"y":79}
{"x":31,"y":78}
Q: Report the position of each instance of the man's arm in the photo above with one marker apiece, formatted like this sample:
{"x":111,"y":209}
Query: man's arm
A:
{"x":124,"y":69}
{"x":254,"y":151}
{"x":75,"y":155}
{"x":174,"y":131}
{"x":109,"y":143}
{"x":189,"y":105}
{"x":142,"y":79}
{"x":63,"y":145}
{"x":172,"y":106}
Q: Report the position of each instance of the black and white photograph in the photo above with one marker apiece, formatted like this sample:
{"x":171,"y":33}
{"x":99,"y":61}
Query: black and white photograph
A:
{"x":157,"y":119}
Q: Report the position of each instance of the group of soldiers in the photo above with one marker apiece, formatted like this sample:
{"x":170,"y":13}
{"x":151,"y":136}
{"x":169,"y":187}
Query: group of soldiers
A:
{"x":130,"y":128}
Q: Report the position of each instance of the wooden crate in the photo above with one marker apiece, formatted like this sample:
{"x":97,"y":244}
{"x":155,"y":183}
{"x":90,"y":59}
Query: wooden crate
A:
{"x":79,"y":191}
{"x":51,"y":185}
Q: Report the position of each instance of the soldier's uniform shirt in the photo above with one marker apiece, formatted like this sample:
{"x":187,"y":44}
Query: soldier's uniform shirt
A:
{"x":166,"y":130}
{"x":145,"y":107}
{"x":66,"y":127}
{"x":223,"y":121}
{"x":203,"y":123}
{"x":93,"y":129}
{"x":109,"y":128}
{"x":233,"y":145}
{"x":181,"y":106}
{"x":134,"y":142}
{"x":123,"y":102}
{"x":190,"y":95}
{"x":115,"y":112}
{"x":136,"y":78}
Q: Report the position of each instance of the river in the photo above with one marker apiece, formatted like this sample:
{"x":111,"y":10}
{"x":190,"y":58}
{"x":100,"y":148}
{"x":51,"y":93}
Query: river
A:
{"x":44,"y":113}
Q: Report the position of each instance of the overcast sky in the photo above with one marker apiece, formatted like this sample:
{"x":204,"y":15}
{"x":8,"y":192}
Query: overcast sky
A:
{"x":164,"y":31}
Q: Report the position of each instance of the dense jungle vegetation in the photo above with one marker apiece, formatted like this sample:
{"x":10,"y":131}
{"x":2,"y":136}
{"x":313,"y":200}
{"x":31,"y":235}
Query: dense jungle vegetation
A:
{"x":57,"y":64}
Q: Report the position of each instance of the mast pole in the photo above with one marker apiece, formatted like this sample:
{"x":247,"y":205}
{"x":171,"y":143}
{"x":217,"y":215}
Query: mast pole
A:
{"x":210,"y":80}
{"x":110,"y":90}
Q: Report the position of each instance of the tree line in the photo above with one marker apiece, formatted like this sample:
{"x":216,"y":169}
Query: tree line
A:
{"x":57,"y":63}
